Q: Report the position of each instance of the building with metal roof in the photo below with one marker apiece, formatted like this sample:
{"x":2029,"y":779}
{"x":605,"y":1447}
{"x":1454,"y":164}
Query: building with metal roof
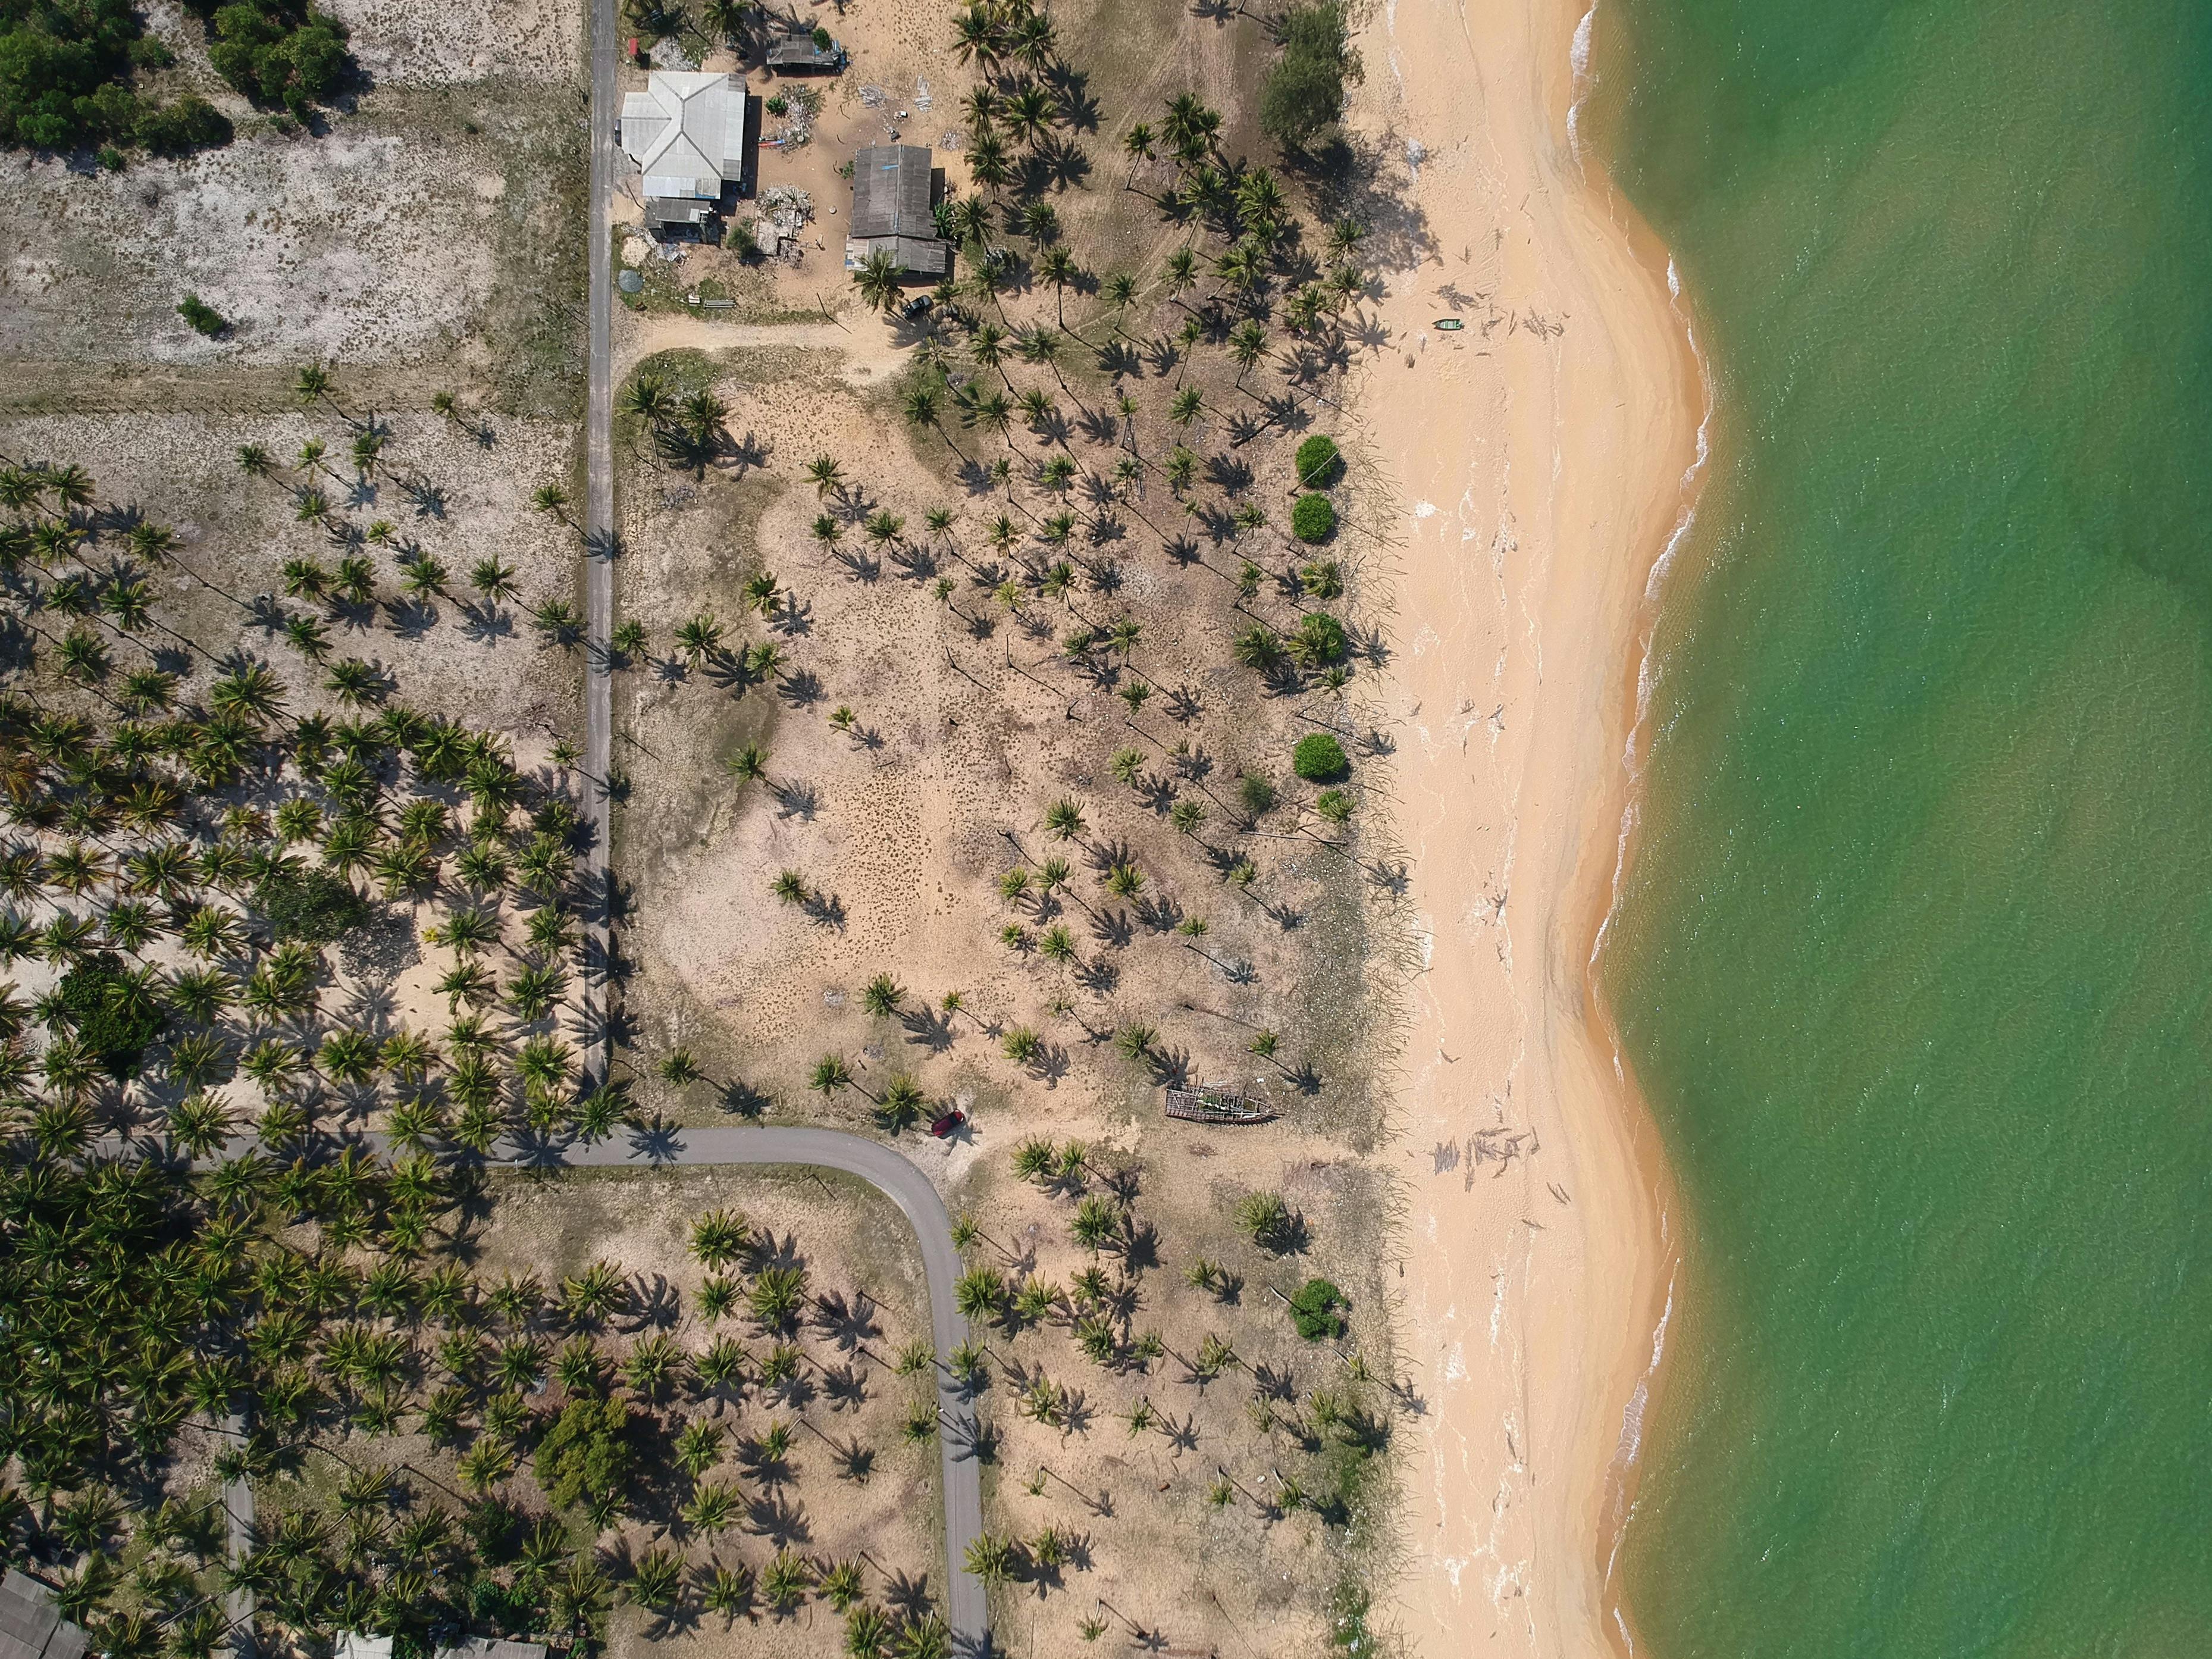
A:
{"x":894,"y":191}
{"x":800,"y":54}
{"x":31,"y":1626}
{"x":492,"y":1647}
{"x":694,"y":138}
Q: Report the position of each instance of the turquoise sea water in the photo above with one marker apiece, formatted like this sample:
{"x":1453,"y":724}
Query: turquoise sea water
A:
{"x":1915,"y":960}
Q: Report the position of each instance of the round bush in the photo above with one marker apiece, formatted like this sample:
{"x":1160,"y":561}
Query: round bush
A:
{"x":1314,"y":1310}
{"x":1319,"y":758}
{"x":1319,"y":463}
{"x":1314,"y":519}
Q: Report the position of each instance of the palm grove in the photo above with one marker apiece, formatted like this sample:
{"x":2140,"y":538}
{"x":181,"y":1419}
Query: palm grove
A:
{"x":202,"y":1251}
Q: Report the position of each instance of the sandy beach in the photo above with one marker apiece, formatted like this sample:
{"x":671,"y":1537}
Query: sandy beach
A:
{"x":1539,"y":459}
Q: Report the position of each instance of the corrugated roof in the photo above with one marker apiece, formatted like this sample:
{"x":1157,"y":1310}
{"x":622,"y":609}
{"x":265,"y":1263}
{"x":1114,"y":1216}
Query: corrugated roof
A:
{"x":890,"y":192}
{"x":485,"y":1647}
{"x":31,"y":1626}
{"x":914,"y":256}
{"x":686,"y":131}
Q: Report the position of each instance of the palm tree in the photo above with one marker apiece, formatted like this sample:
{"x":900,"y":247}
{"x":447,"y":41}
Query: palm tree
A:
{"x":1248,"y":343}
{"x":700,"y":637}
{"x":748,"y":764}
{"x":650,"y":398}
{"x":877,"y":280}
{"x":550,"y":498}
{"x":986,"y":161}
{"x":1029,"y":111}
{"x":1140,"y":145}
{"x":825,"y":475}
{"x":829,"y":1075}
{"x":1057,"y":266}
{"x":495,"y":580}
{"x":883,"y":995}
{"x":314,"y":382}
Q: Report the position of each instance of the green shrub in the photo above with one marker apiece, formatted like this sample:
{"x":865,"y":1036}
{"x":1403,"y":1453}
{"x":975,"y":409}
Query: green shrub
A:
{"x":1314,"y":519}
{"x":588,"y":1451}
{"x":1254,"y":793}
{"x":62,"y":72}
{"x":115,"y":1017}
{"x":1314,"y":1310}
{"x":1303,"y":93}
{"x":315,"y":905}
{"x":278,"y":52}
{"x":822,"y":39}
{"x":1319,"y":758}
{"x":778,"y":106}
{"x":203,"y":318}
{"x":1319,"y":463}
{"x":192,"y":123}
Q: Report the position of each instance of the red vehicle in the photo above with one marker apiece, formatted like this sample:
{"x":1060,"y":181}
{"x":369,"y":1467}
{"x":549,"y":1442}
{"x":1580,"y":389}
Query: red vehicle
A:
{"x":945,"y":1125}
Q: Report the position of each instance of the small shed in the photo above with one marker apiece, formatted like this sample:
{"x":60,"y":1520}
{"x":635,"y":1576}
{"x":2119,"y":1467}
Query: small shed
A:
{"x":31,"y":1626}
{"x":802,"y":54}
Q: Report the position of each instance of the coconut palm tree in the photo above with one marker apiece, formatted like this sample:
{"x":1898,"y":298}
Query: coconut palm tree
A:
{"x":878,"y":280}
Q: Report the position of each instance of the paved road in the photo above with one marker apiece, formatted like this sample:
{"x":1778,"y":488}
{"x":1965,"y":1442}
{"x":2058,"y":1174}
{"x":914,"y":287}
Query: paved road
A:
{"x":882,"y":1168}
{"x":599,"y":491}
{"x":873,"y":1162}
{"x":906,"y":1187}
{"x":238,"y":1515}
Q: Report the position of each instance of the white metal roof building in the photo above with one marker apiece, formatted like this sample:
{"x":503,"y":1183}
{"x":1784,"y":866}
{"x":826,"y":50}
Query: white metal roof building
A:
{"x":687,"y":132}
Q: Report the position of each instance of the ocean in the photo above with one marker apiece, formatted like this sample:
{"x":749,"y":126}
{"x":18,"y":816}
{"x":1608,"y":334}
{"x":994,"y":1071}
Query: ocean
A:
{"x":1913,"y":958}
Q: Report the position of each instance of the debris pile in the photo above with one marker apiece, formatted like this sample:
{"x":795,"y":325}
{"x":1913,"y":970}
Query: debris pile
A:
{"x":801,"y":105}
{"x":784,"y":209}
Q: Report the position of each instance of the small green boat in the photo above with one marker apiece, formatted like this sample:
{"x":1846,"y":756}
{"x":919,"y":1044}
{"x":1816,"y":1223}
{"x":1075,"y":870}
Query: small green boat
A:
{"x":1450,"y":325}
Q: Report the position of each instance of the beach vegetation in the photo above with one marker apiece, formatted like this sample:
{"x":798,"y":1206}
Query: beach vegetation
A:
{"x":1318,"y":462}
{"x":1320,"y":758}
{"x":66,"y":84}
{"x":1313,"y":518}
{"x":1314,"y":1310}
{"x":312,"y":906}
{"x":1302,"y":95}
{"x":202,"y":318}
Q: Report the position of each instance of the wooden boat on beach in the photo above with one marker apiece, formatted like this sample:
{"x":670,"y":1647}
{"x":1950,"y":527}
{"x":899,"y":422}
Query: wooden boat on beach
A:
{"x":1216,"y":1103}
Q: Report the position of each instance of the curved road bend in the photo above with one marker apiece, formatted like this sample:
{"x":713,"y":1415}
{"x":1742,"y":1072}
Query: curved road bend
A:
{"x":890,"y":1173}
{"x":873,"y":1162}
{"x":882,"y":1168}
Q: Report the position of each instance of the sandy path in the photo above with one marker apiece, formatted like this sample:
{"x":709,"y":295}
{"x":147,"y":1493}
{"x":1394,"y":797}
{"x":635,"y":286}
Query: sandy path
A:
{"x":1537,"y":461}
{"x":867,"y":342}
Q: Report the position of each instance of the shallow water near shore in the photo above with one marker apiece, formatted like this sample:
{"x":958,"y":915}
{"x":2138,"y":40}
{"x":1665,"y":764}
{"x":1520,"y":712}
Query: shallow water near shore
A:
{"x":1914,"y":958}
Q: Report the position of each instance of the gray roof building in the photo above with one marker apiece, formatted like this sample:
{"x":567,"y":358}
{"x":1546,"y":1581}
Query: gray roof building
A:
{"x":31,"y":1626}
{"x":893,"y":188}
{"x":803,"y":51}
{"x":691,"y":135}
{"x":492,"y":1647}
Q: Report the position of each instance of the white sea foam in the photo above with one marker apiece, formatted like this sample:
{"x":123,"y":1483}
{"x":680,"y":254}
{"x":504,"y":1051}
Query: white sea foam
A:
{"x":1578,"y":58}
{"x":1647,"y":666}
